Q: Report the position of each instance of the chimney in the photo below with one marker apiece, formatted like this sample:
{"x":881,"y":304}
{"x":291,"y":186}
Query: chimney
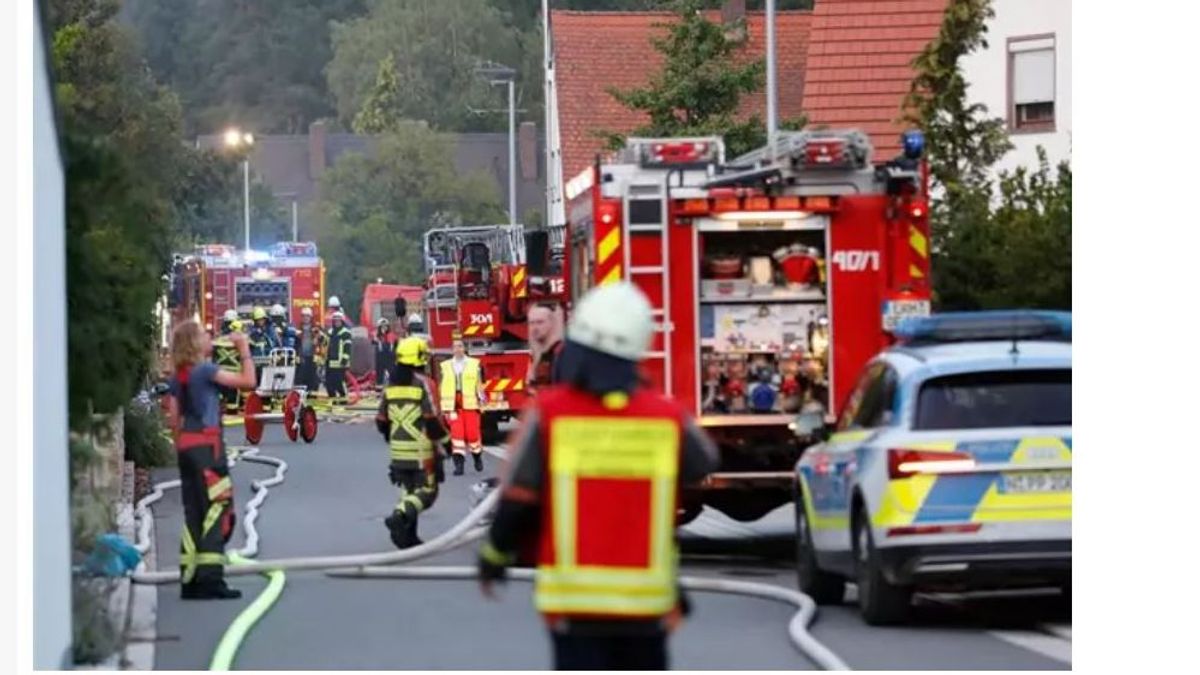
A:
{"x":316,"y":149}
{"x":732,"y":10}
{"x":527,"y":150}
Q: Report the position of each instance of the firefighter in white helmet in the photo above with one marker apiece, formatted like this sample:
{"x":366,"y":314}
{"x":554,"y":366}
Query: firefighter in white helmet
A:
{"x":310,"y":347}
{"x":602,"y":455}
{"x":334,"y":307}
{"x":227,"y":320}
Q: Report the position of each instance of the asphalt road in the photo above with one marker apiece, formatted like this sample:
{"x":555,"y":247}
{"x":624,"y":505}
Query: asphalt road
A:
{"x":334,"y":501}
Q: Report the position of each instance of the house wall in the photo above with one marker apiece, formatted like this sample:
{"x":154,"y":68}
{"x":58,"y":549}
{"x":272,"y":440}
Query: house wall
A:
{"x":987,"y":71}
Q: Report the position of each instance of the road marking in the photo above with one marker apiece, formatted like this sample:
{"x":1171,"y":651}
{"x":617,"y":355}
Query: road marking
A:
{"x":1046,"y":645}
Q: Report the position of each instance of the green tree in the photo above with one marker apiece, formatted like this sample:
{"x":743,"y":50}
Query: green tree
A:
{"x":996,"y":242}
{"x":380,"y":109}
{"x":700,"y":87}
{"x":436,"y":47}
{"x":378,"y":207}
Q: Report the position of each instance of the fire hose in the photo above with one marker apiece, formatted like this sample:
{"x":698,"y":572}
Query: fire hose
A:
{"x":376,"y":565}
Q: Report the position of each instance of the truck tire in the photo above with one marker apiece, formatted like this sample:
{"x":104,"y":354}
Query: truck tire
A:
{"x":825,"y":588}
{"x":881,"y":603}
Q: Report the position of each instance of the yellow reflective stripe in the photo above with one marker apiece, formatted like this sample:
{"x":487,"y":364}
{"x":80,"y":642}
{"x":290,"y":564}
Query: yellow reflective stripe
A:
{"x":494,"y":556}
{"x":519,"y":275}
{"x":918,"y":242}
{"x":849,"y":436}
{"x":613,"y":276}
{"x":188,"y":557}
{"x":218,"y":488}
{"x":502,"y":384}
{"x":613,"y":447}
{"x":608,"y":245}
{"x":210,"y":558}
{"x":210,"y":518}
{"x":915,"y":272}
{"x":816,"y":520}
{"x":592,"y":575}
{"x":611,"y":601}
{"x":565,"y":520}
{"x":404,"y":393}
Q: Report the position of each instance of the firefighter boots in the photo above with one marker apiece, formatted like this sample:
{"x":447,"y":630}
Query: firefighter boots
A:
{"x":459,"y":461}
{"x":478,"y":461}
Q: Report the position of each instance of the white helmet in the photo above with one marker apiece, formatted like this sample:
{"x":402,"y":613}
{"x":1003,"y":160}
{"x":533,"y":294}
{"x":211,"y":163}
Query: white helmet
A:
{"x":230,"y":315}
{"x":338,"y":316}
{"x":278,"y":310}
{"x":614,"y":319}
{"x":334,"y":302}
{"x":382,"y":322}
{"x":306,"y":311}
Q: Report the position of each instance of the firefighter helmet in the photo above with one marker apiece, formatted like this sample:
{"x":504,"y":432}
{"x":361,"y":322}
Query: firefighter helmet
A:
{"x":235,"y":325}
{"x":259,"y":313}
{"x":412,"y":351}
{"x":338,"y":316}
{"x":382,"y":322}
{"x":306,"y":311}
{"x":278,"y":310}
{"x":614,"y":319}
{"x":334,"y":302}
{"x":230,"y":315}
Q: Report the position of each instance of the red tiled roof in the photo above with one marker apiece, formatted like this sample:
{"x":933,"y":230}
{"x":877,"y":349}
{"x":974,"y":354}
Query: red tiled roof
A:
{"x":597,"y":50}
{"x":858,"y":70}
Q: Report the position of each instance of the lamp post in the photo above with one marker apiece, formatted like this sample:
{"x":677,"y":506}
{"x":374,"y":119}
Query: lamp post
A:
{"x":496,"y":73}
{"x":772,"y":93}
{"x":235,"y":138}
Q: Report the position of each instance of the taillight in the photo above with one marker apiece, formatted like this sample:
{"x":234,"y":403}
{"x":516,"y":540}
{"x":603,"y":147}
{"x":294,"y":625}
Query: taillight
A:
{"x":903,"y":462}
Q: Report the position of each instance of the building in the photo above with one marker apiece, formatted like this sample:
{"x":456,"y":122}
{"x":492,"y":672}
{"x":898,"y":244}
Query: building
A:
{"x":1024,"y":76}
{"x":291,"y":165}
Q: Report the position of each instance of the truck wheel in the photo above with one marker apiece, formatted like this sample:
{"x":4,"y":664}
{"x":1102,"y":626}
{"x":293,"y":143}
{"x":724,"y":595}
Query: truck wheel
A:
{"x":823,"y":587}
{"x":880,"y":602}
{"x":490,"y":431}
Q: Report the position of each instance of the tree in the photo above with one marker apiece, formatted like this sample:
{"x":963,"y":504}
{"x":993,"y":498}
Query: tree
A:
{"x":700,"y":87}
{"x":436,"y":47}
{"x":379,"y":206}
{"x":1002,"y":241}
{"x":379,"y":112}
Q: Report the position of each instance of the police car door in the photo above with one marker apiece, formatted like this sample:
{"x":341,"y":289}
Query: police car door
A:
{"x":869,"y":409}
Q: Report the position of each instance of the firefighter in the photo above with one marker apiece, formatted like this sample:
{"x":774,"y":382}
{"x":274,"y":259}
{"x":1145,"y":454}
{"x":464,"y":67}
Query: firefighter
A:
{"x":545,"y":341}
{"x":409,"y":419}
{"x":385,"y":350}
{"x":338,"y":359}
{"x":461,"y":389}
{"x":227,"y":321}
{"x":226,"y":356}
{"x":604,"y":455}
{"x":285,"y":333}
{"x":262,"y":339}
{"x":334,"y":307}
{"x":310,"y":342}
{"x":205,"y":485}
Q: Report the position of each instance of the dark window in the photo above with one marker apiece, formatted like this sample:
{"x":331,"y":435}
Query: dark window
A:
{"x":645,"y":211}
{"x":858,"y":397}
{"x":876,"y":407}
{"x":1011,"y":398}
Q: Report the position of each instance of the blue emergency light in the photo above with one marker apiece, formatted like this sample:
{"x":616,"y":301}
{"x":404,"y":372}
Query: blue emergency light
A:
{"x":914,"y":143}
{"x":985,"y":326}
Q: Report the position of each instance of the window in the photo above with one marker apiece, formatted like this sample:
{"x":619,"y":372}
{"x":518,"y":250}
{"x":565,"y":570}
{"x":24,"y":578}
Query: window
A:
{"x":1015,"y":398}
{"x":870,"y":404}
{"x":1031,"y":83}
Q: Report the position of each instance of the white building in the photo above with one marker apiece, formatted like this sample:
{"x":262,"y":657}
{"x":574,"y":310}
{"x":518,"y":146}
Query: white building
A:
{"x":1024,"y":76}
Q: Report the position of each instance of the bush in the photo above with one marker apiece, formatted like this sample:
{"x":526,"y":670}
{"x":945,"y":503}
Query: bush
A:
{"x":145,"y":442}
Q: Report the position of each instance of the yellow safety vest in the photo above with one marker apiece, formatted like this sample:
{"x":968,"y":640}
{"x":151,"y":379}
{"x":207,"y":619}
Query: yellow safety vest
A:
{"x":226,"y":355}
{"x":407,"y":440}
{"x":600,"y":565}
{"x":448,"y":385}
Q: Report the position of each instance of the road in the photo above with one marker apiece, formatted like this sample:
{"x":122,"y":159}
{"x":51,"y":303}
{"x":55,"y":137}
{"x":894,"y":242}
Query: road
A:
{"x":333,"y":502}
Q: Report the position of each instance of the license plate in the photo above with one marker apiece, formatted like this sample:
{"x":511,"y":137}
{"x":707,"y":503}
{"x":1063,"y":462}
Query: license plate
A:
{"x":894,"y":311}
{"x":1040,"y":481}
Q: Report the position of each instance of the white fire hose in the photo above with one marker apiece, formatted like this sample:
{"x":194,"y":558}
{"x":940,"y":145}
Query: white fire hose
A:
{"x":376,"y":565}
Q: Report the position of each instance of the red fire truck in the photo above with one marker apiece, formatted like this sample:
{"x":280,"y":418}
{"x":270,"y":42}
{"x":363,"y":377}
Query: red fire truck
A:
{"x":379,"y":302}
{"x":753,"y":325}
{"x":481,"y":282}
{"x":218,"y":277}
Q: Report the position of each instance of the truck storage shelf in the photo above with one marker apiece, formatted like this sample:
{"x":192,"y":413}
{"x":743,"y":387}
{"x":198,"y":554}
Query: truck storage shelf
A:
{"x":813,"y":296}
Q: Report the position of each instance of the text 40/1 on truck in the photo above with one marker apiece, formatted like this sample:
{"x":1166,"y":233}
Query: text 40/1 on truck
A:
{"x":218,"y":277}
{"x":773,"y":278}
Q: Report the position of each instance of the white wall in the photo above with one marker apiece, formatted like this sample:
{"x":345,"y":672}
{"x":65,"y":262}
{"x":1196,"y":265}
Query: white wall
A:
{"x":987,"y":73}
{"x":51,"y":480}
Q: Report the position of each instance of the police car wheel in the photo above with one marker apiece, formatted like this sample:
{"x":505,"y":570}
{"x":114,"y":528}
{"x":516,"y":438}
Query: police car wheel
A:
{"x":823,"y":587}
{"x":879,"y":601}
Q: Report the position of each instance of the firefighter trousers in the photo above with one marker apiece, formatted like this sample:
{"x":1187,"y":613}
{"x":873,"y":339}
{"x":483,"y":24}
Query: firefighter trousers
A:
{"x":583,"y":651}
{"x":306,"y":375}
{"x":208,"y":515}
{"x":418,"y":485}
{"x":464,"y":432}
{"x":335,"y":382}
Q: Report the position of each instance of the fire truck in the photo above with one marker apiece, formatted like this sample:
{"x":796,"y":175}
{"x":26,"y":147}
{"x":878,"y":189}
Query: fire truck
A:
{"x":379,"y":302}
{"x":481,"y":282}
{"x":218,"y":277}
{"x":773,"y":279}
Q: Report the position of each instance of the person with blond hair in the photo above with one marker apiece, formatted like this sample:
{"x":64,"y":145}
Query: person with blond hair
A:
{"x":194,"y":413}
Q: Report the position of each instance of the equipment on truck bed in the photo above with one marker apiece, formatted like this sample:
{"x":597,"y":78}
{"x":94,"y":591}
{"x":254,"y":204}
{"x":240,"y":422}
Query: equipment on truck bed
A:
{"x":774,"y":277}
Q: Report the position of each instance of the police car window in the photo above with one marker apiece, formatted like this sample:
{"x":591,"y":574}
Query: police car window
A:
{"x":876,"y":401}
{"x":854,"y":403}
{"x":1015,"y":398}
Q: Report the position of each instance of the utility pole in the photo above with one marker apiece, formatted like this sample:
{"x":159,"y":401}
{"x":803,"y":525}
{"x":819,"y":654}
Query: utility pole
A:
{"x":772,"y":122}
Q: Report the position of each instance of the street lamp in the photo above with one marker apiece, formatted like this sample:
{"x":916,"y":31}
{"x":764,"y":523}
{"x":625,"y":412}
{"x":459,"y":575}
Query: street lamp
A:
{"x":235,"y":138}
{"x":496,"y":73}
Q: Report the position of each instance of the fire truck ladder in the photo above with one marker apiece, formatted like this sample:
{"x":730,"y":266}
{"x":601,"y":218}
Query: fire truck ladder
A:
{"x":662,"y":312}
{"x":505,"y":244}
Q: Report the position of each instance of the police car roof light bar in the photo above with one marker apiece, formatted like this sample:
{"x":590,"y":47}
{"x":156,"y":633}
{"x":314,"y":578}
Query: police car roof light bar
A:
{"x":998,"y":325}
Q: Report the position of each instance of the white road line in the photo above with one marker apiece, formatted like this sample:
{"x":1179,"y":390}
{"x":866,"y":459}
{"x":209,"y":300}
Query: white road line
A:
{"x":1046,"y":645}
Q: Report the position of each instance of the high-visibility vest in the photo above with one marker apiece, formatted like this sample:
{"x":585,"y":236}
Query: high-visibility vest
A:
{"x":608,"y":546}
{"x":449,"y":384}
{"x":407,"y":440}
{"x":226,"y":356}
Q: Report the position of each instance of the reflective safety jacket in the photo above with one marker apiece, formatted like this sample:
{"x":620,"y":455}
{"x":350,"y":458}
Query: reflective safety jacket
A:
{"x":606,"y":546}
{"x":467,"y":383}
{"x":226,"y":356}
{"x":408,"y":415}
{"x":339,"y":348}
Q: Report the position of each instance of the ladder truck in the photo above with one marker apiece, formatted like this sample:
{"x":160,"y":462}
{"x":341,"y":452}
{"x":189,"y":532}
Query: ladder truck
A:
{"x":774,"y":277}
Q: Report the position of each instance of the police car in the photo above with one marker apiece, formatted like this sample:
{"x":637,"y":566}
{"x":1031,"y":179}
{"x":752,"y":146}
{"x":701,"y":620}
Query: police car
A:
{"x":950,"y":466}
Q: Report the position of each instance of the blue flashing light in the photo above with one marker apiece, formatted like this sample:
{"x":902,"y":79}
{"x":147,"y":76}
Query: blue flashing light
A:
{"x":914,"y":143}
{"x":985,"y":326}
